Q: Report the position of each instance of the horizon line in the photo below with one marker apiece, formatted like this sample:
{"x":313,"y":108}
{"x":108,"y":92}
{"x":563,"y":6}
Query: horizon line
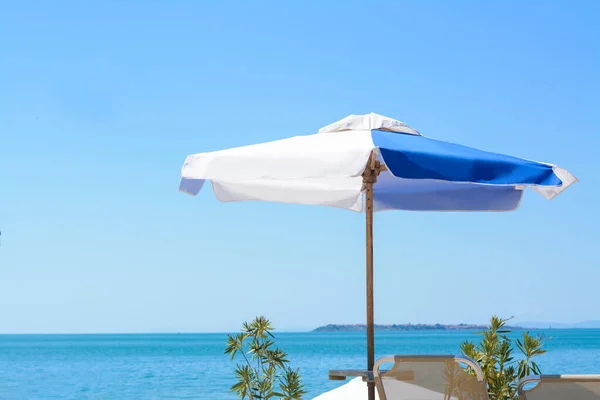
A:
{"x":228,"y":333}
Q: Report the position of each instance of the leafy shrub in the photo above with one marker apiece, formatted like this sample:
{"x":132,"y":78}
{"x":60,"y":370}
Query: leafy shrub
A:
{"x":494,"y":354}
{"x":263,"y":373}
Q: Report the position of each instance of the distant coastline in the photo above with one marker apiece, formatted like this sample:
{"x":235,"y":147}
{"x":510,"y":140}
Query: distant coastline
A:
{"x":455,"y":327}
{"x":406,"y":327}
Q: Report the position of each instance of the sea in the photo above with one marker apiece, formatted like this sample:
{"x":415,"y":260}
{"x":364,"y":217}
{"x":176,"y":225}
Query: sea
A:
{"x":194,"y":366}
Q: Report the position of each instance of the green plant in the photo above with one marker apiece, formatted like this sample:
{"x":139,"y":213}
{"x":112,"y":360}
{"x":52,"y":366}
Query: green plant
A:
{"x":263,"y":373}
{"x":494,"y":354}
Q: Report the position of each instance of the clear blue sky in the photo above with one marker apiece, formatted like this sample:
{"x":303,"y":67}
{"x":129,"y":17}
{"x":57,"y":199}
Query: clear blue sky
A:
{"x":100,"y":102}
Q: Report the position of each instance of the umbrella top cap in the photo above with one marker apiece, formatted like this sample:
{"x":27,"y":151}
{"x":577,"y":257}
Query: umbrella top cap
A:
{"x":370,"y":121}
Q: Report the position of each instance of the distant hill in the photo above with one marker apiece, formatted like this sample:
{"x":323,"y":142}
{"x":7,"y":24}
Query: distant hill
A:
{"x":404,"y":327}
{"x":561,"y":325}
{"x":587,"y":325}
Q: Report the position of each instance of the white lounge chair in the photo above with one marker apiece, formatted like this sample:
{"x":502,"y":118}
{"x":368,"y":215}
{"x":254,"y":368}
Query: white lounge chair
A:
{"x":560,"y":387}
{"x":443,"y":377}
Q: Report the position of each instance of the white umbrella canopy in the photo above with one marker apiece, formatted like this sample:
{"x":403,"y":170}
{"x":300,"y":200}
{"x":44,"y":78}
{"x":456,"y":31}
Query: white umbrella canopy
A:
{"x":320,"y":169}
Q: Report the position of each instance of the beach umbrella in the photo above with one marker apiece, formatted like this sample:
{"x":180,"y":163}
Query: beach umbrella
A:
{"x":372,"y":163}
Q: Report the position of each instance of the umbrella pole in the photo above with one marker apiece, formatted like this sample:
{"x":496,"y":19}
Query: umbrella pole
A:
{"x":370,"y":317}
{"x":370,"y":178}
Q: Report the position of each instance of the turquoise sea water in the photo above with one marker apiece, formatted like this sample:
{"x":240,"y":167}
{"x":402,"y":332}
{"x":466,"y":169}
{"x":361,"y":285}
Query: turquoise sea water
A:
{"x":193,"y":366}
